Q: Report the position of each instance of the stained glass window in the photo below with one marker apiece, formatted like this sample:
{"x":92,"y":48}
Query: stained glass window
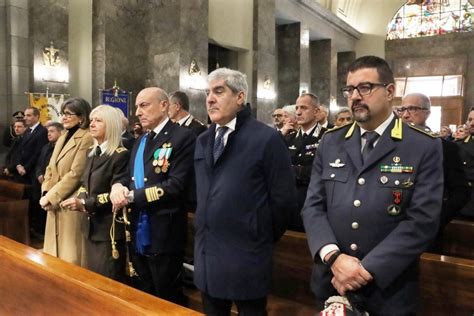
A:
{"x":419,"y":18}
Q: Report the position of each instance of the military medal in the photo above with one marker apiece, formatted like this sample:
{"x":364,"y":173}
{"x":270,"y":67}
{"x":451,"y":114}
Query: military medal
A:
{"x":157,"y":170}
{"x":155,"y":163}
{"x":397,"y":196}
{"x":393,"y":210}
{"x":396,"y":159}
{"x":165,"y":167}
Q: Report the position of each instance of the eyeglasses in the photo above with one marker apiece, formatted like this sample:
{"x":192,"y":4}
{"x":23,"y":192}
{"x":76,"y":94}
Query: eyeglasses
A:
{"x":411,"y":109}
{"x":68,"y":114}
{"x":277,"y":115}
{"x":363,"y":89}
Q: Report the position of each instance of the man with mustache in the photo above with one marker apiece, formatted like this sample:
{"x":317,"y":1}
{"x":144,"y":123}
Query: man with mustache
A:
{"x":373,"y":203}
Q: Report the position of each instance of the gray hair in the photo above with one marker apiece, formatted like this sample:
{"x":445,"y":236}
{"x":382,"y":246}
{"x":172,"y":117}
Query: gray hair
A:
{"x":290,"y":109}
{"x":235,"y":80}
{"x":324,"y":108}
{"x":314,"y":98}
{"x":425,"y":100}
{"x":342,"y":110}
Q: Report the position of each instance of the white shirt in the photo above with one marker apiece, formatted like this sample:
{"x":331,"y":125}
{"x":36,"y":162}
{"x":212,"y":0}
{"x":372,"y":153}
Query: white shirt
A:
{"x":231,"y":128}
{"x":34,"y":126}
{"x":380,"y":130}
{"x":160,"y":126}
{"x":183,"y":120}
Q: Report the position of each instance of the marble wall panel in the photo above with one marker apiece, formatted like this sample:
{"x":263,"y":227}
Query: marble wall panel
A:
{"x":49,"y":20}
{"x":305,"y":64}
{"x":3,"y":82}
{"x":321,"y":69}
{"x":19,"y":47}
{"x":344,"y":59}
{"x":289,"y":55}
{"x":18,"y":3}
{"x":440,"y":53}
{"x":17,"y":21}
{"x":166,"y":71}
{"x":264,"y":60}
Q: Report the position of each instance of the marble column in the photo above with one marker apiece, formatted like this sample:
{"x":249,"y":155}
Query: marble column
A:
{"x":264,"y":61}
{"x":158,"y":51}
{"x":288,"y":42}
{"x":344,"y":59}
{"x":323,"y":69}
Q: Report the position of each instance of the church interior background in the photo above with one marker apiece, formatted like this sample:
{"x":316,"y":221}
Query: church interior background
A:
{"x":285,"y":47}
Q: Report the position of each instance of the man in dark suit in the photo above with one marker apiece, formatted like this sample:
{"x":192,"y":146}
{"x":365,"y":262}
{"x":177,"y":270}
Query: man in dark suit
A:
{"x":302,"y":147}
{"x":374,"y":199}
{"x":244,"y":195}
{"x":467,"y":157}
{"x":415,"y":109}
{"x":35,"y":137}
{"x":323,"y":117}
{"x":178,"y":112}
{"x":160,"y":176}
{"x":9,"y":168}
{"x":128,"y":140}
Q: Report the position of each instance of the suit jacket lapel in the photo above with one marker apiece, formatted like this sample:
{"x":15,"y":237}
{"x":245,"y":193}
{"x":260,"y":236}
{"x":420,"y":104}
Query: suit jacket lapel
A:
{"x":71,"y":143}
{"x":98,"y":161}
{"x":209,"y":150}
{"x":352,"y":147}
{"x":160,"y":139}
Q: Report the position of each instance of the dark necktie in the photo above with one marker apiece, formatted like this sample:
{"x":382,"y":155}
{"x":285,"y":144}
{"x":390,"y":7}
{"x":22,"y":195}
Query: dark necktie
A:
{"x":98,"y":151}
{"x":370,"y":138}
{"x":27,"y":132}
{"x":219,"y":142}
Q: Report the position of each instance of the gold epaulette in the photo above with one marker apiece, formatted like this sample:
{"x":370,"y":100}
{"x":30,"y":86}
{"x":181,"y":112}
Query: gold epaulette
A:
{"x":120,"y":149}
{"x":418,"y":129}
{"x":335,"y":128}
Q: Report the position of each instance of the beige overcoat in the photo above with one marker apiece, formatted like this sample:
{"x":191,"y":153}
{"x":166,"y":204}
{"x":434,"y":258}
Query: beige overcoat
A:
{"x":62,"y":237}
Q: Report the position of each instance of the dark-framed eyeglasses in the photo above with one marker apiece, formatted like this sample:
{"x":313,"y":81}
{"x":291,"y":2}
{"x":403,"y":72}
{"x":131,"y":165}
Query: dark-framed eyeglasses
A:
{"x":68,"y":114}
{"x":412,"y":109}
{"x":277,"y":115}
{"x":364,"y":88}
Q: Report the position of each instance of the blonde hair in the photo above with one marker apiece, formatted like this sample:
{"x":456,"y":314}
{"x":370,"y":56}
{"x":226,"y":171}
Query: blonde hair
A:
{"x":113,"y":127}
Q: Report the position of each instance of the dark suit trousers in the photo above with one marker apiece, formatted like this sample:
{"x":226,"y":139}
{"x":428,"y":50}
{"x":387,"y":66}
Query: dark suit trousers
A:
{"x":161,"y":275}
{"x":98,"y":258}
{"x":221,"y":307}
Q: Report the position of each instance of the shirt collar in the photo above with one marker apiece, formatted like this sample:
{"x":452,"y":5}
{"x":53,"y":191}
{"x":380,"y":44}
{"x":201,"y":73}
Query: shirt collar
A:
{"x":183,"y":120}
{"x":103,"y":148}
{"x":230,"y":125}
{"x":34,"y":126}
{"x":160,"y":126}
{"x":308,"y":131}
{"x":382,"y":127}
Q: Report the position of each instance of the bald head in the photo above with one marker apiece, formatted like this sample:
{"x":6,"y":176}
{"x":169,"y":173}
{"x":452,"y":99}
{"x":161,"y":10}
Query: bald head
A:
{"x":152,"y":107}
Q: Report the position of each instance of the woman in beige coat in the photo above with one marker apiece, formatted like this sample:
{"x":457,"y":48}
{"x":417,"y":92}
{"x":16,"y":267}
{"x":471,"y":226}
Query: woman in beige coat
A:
{"x":62,"y":236}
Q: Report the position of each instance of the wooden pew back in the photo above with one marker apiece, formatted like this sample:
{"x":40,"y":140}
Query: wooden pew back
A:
{"x":456,"y":240}
{"x":33,"y":283}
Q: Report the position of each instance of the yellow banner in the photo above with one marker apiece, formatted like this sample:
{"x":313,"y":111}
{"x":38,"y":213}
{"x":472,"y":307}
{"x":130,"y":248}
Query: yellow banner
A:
{"x":40,"y":102}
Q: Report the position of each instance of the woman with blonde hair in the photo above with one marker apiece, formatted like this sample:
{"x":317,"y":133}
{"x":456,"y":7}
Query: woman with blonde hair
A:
{"x":62,"y":237}
{"x":104,"y":238}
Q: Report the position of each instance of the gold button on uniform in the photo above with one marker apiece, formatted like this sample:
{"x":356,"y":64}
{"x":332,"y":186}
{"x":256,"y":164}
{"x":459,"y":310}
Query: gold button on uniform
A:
{"x":355,"y":225}
{"x":361,"y":181}
{"x":354,"y":247}
{"x":357,"y":203}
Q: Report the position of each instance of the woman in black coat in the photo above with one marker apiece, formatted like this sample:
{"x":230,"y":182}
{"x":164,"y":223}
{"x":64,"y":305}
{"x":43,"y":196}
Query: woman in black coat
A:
{"x":107,"y":163}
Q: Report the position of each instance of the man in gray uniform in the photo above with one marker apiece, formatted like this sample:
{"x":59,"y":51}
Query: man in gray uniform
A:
{"x":374,"y":199}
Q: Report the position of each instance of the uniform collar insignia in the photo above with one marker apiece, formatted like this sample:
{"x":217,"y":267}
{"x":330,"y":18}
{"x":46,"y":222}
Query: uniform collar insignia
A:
{"x":397,"y":129}
{"x":337,"y":164}
{"x":351,"y":130}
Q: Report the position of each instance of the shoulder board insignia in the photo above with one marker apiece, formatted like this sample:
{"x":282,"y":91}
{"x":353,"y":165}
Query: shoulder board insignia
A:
{"x":418,"y":129}
{"x":397,"y":130}
{"x":349,"y":132}
{"x":335,"y":128}
{"x":120,"y":149}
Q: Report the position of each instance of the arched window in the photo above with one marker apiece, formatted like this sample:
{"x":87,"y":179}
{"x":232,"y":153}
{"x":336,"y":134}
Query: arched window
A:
{"x":419,"y":18}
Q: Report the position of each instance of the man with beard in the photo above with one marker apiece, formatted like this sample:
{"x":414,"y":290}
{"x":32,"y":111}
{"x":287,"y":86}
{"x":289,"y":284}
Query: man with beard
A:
{"x":373,"y":202}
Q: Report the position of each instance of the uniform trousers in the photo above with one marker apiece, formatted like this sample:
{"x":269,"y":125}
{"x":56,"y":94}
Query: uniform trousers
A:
{"x":161,"y":275}
{"x":221,"y":307}
{"x":98,"y":258}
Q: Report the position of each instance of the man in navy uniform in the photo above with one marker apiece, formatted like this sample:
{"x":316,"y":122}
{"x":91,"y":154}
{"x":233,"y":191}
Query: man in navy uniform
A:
{"x":374,"y":200}
{"x":302,"y":147}
{"x":161,"y":165}
{"x":244,"y":193}
{"x":178,"y":112}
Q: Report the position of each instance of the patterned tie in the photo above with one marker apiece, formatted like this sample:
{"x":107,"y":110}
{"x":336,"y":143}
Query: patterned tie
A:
{"x":219,"y":142}
{"x":370,"y":138}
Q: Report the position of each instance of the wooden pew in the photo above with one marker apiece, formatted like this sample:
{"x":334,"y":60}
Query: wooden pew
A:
{"x":33,"y":283}
{"x":446,"y":285}
{"x":456,"y":240}
{"x":14,"y":220}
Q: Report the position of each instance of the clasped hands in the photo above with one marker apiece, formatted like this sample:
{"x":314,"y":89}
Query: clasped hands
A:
{"x":119,"y":196}
{"x":349,"y":274}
